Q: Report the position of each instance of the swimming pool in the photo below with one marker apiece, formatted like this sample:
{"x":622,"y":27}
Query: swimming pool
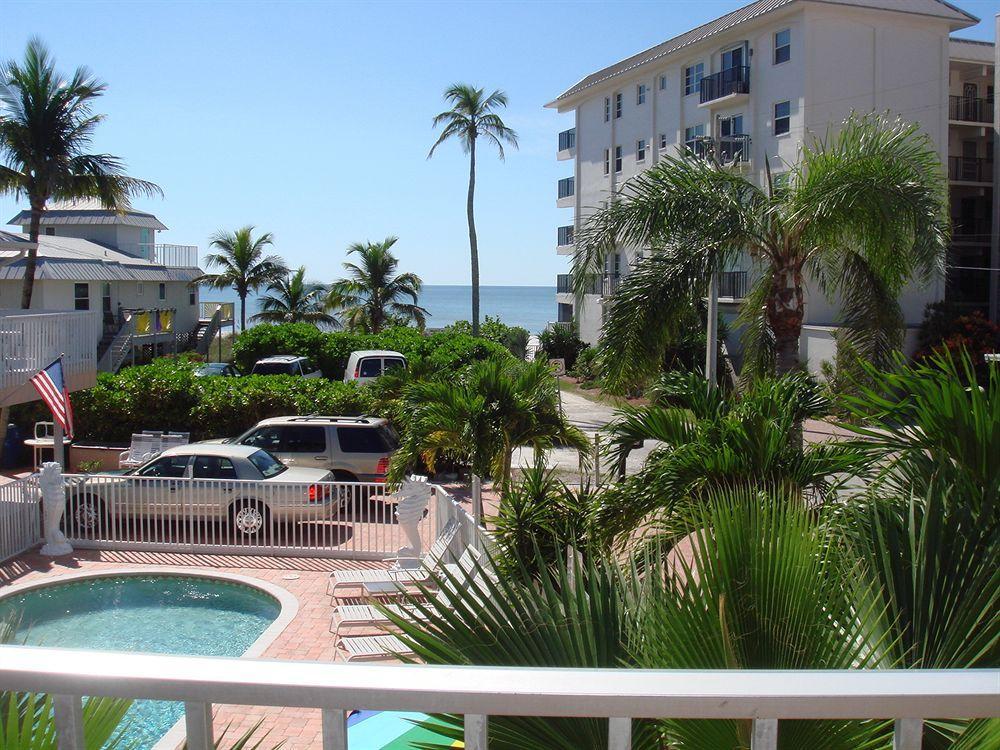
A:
{"x":167,"y":614}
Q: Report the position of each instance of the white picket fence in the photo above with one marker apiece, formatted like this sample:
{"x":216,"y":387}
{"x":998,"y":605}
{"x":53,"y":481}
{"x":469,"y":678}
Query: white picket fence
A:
{"x":20,"y":517}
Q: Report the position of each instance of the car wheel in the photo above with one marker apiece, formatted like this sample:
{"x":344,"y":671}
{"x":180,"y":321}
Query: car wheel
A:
{"x":250,"y":518}
{"x":84,"y":513}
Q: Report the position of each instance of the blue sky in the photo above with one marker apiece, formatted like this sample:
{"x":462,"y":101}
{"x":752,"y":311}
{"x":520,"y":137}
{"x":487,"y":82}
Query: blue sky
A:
{"x":313,"y":120}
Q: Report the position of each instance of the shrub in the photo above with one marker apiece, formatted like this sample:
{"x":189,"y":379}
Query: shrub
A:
{"x":561,"y":342}
{"x":331,"y":350}
{"x":586,"y":368}
{"x":947,"y":328}
{"x":513,"y":338}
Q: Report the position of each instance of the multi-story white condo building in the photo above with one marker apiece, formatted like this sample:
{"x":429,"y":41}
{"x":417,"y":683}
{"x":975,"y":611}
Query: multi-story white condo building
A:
{"x":757,"y":82}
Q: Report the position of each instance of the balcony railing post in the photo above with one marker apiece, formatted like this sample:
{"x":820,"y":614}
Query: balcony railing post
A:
{"x":908,"y":734}
{"x":619,"y":733}
{"x":198,"y":726}
{"x":68,"y":714}
{"x":334,"y":729}
{"x":765,"y":734}
{"x":476,"y":731}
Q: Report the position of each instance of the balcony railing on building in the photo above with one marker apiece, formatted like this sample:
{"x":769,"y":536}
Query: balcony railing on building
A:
{"x":970,"y":109}
{"x":733,"y":284}
{"x":971,"y":232}
{"x":567,"y":139}
{"x":172,"y":256}
{"x":564,"y":236}
{"x":605,"y":285}
{"x":970,"y":169}
{"x":725,"y":83}
{"x":567,"y":187}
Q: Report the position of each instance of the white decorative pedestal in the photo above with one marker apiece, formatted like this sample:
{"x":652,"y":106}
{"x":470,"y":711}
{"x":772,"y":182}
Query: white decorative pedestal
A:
{"x":53,"y":506}
{"x":414,"y":495}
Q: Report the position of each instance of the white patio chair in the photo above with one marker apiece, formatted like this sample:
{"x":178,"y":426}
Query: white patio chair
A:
{"x":175,"y":439}
{"x":359,"y":576}
{"x":143,"y":448}
{"x":372,"y":647}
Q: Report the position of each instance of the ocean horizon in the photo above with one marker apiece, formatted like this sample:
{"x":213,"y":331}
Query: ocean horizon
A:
{"x":531,"y":307}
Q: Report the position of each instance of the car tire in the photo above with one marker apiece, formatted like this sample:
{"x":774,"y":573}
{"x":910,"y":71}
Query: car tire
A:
{"x":85,"y":514}
{"x":345,"y":495}
{"x":249,"y":519}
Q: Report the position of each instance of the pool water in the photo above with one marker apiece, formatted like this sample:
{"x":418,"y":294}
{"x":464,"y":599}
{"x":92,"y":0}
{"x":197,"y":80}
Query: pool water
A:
{"x":153,"y":613}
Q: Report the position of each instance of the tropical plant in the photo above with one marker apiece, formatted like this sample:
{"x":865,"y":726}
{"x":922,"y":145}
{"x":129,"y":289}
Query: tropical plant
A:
{"x":711,"y":440}
{"x":561,"y":342}
{"x":473,"y":115}
{"x":481,"y":416}
{"x":861,"y":214}
{"x":515,"y":338}
{"x":947,"y":327}
{"x":294,"y":300}
{"x":243,"y":265}
{"x":372,"y":297}
{"x":46,"y":128}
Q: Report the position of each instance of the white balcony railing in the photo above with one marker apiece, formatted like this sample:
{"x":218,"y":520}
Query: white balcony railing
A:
{"x":30,"y":340}
{"x":172,"y":256}
{"x":764,"y":697}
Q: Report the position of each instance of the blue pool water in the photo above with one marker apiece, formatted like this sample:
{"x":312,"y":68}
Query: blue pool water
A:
{"x":154,"y":613}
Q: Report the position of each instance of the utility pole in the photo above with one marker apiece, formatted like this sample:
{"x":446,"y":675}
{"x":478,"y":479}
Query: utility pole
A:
{"x":712,"y":332}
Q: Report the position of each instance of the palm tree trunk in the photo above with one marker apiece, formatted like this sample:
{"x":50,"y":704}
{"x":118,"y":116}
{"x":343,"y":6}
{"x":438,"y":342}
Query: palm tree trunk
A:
{"x":473,"y":244}
{"x":785,"y":313}
{"x":28,"y":285}
{"x":243,"y":311}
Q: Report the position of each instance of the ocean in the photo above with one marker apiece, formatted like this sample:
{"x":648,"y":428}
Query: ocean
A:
{"x":530,"y":307}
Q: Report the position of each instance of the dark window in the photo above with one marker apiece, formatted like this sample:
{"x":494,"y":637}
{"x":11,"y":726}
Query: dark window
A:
{"x":192,"y":298}
{"x":618,"y":159}
{"x":692,"y":78}
{"x":300,"y":438}
{"x":782,"y":118}
{"x":266,"y":464}
{"x":81,"y":296}
{"x":163,"y":291}
{"x":782,"y":46}
{"x":307,"y":366}
{"x":607,"y":161}
{"x":50,"y":231}
{"x":393,"y":363}
{"x":619,"y":100}
{"x":361,"y":440}
{"x":663,"y":83}
{"x":268,"y":438}
{"x":168,"y":466}
{"x":213,"y":467}
{"x":371,"y":367}
{"x":275,"y":368}
{"x":607,"y":109}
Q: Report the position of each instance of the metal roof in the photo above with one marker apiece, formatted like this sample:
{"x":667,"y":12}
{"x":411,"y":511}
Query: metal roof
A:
{"x":936,"y":8}
{"x":90,"y":212}
{"x":75,"y":259}
{"x":972,"y":50}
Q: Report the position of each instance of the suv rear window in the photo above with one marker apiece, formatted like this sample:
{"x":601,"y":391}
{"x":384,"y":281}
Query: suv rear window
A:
{"x":362,"y":440}
{"x":370,"y":367}
{"x":275,"y":368}
{"x":392,"y":363}
{"x":301,"y":438}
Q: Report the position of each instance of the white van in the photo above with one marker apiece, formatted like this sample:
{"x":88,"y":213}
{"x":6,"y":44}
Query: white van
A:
{"x":369,"y":364}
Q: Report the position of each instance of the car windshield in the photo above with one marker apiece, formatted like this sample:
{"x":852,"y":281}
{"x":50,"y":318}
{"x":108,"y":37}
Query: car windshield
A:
{"x":216,"y":368}
{"x":266,"y":464}
{"x":275,"y":368}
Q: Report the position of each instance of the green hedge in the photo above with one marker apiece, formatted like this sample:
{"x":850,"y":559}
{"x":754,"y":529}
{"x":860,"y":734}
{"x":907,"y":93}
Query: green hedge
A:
{"x":330,"y":351}
{"x":165,"y":395}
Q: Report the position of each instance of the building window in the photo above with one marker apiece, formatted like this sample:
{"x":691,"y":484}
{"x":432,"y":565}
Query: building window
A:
{"x":640,"y":94}
{"x":607,"y":161}
{"x":607,"y":109}
{"x":640,"y":150}
{"x":163,"y":291}
{"x":50,"y":231}
{"x":618,"y":105}
{"x":81,"y":296}
{"x":691,"y":136}
{"x":663,"y":141}
{"x":782,"y":118}
{"x":618,"y":159}
{"x":192,"y":298}
{"x":138,"y":289}
{"x":692,"y":78}
{"x":663,"y":82}
{"x":782,"y":46}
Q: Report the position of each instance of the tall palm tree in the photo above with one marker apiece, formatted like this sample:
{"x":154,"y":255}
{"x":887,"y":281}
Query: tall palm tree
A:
{"x":46,"y":129}
{"x":372,"y":297}
{"x":862,"y":213}
{"x":243,"y":265}
{"x":294,"y":300}
{"x":473,"y":115}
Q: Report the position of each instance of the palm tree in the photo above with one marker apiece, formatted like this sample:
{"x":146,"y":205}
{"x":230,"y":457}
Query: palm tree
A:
{"x":244,"y":266}
{"x":294,"y":300}
{"x":473,"y":115}
{"x":46,"y":128}
{"x":861,"y":214}
{"x":371,"y":298}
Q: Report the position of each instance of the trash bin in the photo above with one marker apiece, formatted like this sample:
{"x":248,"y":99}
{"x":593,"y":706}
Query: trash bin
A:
{"x":13,"y":448}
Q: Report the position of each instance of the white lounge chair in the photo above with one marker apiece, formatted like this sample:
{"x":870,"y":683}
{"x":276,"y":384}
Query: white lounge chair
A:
{"x":143,"y":448}
{"x":359,"y":576}
{"x":372,"y":647}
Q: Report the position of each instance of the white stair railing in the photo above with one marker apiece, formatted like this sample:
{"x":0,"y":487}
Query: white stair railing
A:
{"x":210,"y":332}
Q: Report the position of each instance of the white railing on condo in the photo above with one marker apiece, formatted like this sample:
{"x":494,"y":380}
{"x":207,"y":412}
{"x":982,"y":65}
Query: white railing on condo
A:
{"x":763,"y":697}
{"x":30,"y":340}
{"x":172,"y":256}
{"x":326,"y":519}
{"x":20,"y":516}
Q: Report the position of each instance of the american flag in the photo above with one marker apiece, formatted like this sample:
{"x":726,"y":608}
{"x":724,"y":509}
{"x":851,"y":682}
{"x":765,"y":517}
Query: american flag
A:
{"x":52,"y":388}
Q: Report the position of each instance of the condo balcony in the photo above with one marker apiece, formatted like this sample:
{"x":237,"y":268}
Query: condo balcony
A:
{"x":604,"y":285}
{"x":564,"y":240}
{"x":970,"y":169}
{"x":566,"y":192}
{"x":172,"y":256}
{"x":725,"y":86}
{"x":733,"y":285}
{"x":567,"y":144}
{"x":970,"y":109}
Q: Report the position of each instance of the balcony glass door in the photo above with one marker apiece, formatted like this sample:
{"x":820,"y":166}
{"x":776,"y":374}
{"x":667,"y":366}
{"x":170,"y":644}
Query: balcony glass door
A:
{"x":733,"y":58}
